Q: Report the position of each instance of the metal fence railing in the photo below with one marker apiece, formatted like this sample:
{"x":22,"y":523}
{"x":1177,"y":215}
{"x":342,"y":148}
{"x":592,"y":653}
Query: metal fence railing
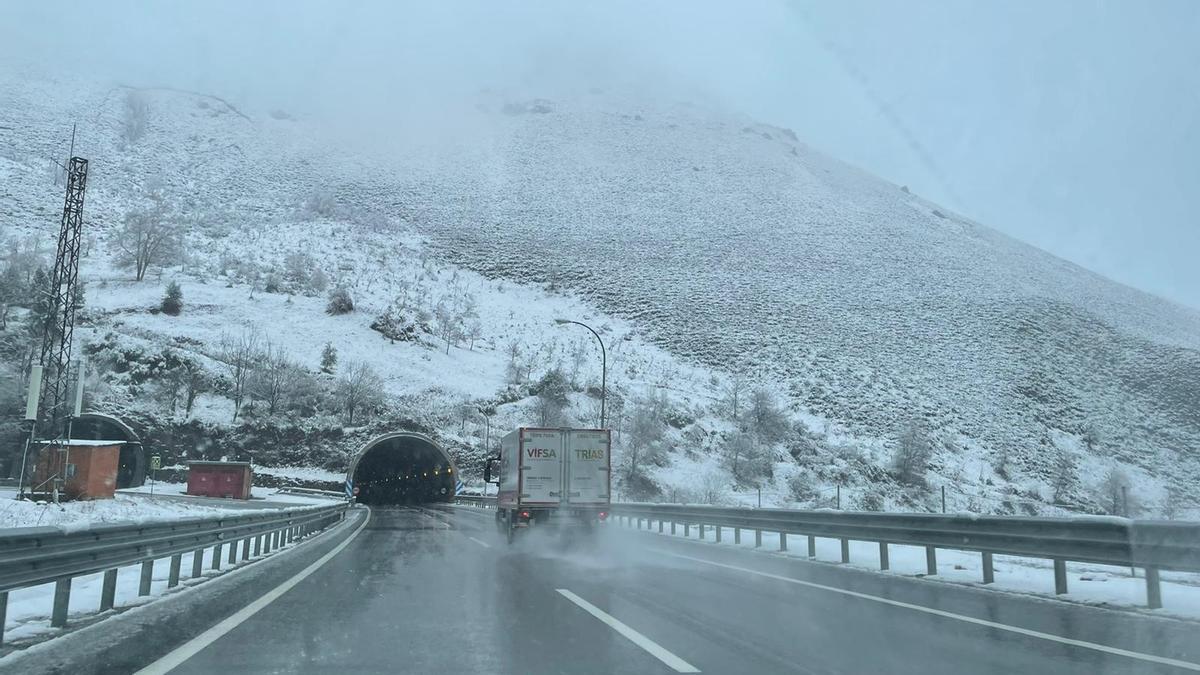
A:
{"x":1149,"y":544}
{"x":33,"y":556}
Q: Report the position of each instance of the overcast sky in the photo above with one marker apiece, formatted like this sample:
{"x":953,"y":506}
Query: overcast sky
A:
{"x":1073,"y":125}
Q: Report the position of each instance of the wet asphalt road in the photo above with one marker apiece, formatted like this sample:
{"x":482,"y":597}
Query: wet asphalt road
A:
{"x":436,"y":590}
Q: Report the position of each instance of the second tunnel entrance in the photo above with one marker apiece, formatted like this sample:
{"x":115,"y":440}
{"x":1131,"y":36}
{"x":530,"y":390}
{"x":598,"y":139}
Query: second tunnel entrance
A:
{"x":403,"y":468}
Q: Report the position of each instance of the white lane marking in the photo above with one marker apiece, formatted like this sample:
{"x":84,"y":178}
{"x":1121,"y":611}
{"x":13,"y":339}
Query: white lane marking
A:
{"x":481,"y":543}
{"x":1187,"y":665}
{"x":189,"y":649}
{"x":676,"y":663}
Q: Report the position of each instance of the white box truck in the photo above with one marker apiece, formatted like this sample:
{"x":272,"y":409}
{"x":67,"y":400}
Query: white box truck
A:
{"x":551,"y":477}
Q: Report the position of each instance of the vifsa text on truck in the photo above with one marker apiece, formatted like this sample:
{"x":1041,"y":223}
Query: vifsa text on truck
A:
{"x":547,"y":477}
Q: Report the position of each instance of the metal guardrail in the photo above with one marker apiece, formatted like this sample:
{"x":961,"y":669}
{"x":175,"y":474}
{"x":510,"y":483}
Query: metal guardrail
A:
{"x":1150,"y":544}
{"x":31,"y":556}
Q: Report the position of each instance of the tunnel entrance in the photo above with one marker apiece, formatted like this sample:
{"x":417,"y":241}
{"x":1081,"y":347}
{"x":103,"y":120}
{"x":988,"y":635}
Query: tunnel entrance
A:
{"x":403,"y":468}
{"x":131,"y":467}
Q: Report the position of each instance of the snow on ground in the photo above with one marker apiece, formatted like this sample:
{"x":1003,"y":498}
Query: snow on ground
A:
{"x":305,"y":473}
{"x":1101,"y":585}
{"x":82,"y":514}
{"x":268,"y":494}
{"x":137,"y":508}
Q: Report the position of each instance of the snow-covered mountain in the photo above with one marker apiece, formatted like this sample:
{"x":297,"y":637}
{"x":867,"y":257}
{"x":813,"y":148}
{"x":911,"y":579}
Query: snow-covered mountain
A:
{"x":708,"y":247}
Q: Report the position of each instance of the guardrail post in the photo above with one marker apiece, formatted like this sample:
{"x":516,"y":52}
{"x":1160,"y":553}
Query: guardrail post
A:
{"x":672,"y":527}
{"x":845,"y":550}
{"x":173,"y":575}
{"x":930,"y":561}
{"x":147,"y":577}
{"x":758,"y":539}
{"x":257,"y":545}
{"x":989,"y":571}
{"x":639,"y":522}
{"x":687,"y":530}
{"x":783,"y":541}
{"x":216,"y":561}
{"x":197,"y":562}
{"x":660,"y":525}
{"x":717,"y":529}
{"x":62,"y":601}
{"x":233,"y":552}
{"x":737,"y":535}
{"x":1060,"y":576}
{"x":812,"y":546}
{"x":108,"y":590}
{"x":884,"y":563}
{"x":1153,"y":589}
{"x":701,"y":526}
{"x":3,"y":614}
{"x":246,"y":549}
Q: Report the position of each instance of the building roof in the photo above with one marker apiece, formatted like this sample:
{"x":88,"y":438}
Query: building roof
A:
{"x":200,"y":462}
{"x":81,"y":443}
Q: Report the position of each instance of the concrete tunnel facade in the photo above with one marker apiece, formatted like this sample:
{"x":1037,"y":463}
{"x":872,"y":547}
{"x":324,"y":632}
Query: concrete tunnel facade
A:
{"x":403,"y":467}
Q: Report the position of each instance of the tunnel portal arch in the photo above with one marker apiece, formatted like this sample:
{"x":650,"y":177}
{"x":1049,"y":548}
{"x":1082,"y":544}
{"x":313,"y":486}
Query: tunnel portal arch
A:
{"x":97,"y":426}
{"x":403,"y":467}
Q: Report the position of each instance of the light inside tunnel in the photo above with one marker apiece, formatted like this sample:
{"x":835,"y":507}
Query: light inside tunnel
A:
{"x":403,"y":470}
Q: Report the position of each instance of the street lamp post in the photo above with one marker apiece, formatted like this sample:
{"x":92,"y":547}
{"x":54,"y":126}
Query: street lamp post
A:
{"x":603,"y":365}
{"x":487,"y":440}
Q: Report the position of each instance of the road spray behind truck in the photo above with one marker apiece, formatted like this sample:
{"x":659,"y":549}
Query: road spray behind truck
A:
{"x":551,"y":477}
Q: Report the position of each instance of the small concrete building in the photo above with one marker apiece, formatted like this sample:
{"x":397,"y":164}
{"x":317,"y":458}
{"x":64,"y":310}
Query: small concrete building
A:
{"x":231,"y":480}
{"x":88,"y":469}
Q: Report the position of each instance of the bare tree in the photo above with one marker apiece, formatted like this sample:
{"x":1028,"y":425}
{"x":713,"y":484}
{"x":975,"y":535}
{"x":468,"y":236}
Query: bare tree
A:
{"x":913,"y":452}
{"x":274,"y":378}
{"x":765,"y":416}
{"x":735,"y":392}
{"x":474,"y":332}
{"x":148,"y":237}
{"x":240,"y":354}
{"x":358,"y":388}
{"x":644,"y":443}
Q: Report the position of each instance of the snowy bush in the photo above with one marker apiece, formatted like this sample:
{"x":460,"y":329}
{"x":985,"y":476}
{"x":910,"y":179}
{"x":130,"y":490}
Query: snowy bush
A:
{"x":172,"y":302}
{"x":396,"y":324}
{"x":801,"y":487}
{"x":329,"y":358}
{"x":340,"y":302}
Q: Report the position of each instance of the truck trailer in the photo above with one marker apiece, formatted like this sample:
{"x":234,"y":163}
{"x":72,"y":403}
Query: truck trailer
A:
{"x":551,"y":477}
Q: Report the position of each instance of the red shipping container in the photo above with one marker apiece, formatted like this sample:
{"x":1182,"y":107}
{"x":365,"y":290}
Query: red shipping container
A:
{"x":231,"y":480}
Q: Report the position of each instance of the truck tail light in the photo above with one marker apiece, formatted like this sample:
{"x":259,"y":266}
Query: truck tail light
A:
{"x":524,"y":514}
{"x":603,"y":515}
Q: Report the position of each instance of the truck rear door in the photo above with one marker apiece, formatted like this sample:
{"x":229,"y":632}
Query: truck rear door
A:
{"x":587,"y":466}
{"x":541,"y":466}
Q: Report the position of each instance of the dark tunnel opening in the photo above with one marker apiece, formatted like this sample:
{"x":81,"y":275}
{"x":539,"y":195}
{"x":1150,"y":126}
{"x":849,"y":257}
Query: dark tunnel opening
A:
{"x":131,"y":465}
{"x":404,"y":470}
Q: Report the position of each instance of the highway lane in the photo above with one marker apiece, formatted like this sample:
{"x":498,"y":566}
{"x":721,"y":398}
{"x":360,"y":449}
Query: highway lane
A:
{"x":438,"y":591}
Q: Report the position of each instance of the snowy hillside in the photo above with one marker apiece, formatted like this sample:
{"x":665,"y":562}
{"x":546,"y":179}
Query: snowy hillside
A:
{"x":731,"y":242}
{"x":708,"y":250}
